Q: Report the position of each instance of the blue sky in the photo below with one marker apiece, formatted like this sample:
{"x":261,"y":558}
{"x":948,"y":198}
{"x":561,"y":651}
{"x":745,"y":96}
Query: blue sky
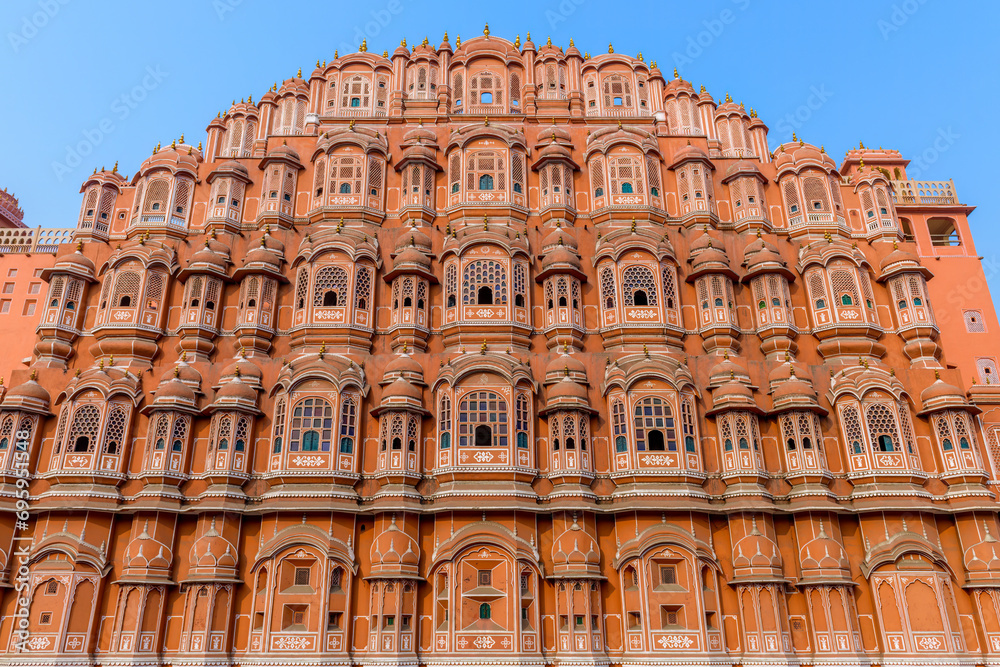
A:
{"x":89,"y":83}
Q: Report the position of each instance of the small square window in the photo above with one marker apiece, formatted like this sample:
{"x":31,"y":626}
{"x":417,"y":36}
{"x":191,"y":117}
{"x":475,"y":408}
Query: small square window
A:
{"x":8,"y":288}
{"x":4,"y":306}
{"x":45,"y":618}
{"x":486,"y":577}
{"x":37,"y":273}
{"x":974,"y":321}
{"x":34,"y":288}
{"x":11,"y":273}
{"x":29,"y":308}
{"x":668,"y":575}
{"x":302,"y":576}
{"x":52,"y":587}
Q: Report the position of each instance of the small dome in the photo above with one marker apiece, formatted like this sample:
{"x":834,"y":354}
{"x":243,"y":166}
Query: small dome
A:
{"x":411,"y":257}
{"x":756,"y":553}
{"x":743,"y":167}
{"x":284,"y":152}
{"x":727,"y":370}
{"x":145,"y":553}
{"x":75,"y":263}
{"x":405,"y":365}
{"x":559,"y":236}
{"x":561,"y":256}
{"x":212,"y":550}
{"x":243,"y":368}
{"x":689,"y":153}
{"x":940,"y":395}
{"x":413,"y":237}
{"x":174,"y":391}
{"x":983,"y":558}
{"x":29,"y":390}
{"x":575,"y":551}
{"x":261,"y":254}
{"x":565,"y":365}
{"x":394,"y":552}
{"x":823,"y":553}
{"x":236,"y":392}
{"x":185,"y":373}
{"x":567,"y":389}
{"x":401,"y":388}
{"x":208,"y":258}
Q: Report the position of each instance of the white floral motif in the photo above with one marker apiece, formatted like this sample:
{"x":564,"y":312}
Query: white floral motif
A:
{"x":675,"y":641}
{"x":308,"y":461}
{"x":929,"y":643}
{"x":484,"y":642}
{"x":37,"y":643}
{"x":292,"y":643}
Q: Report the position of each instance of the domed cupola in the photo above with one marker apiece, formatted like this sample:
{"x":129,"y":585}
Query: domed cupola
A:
{"x":411,"y":277}
{"x":732,"y":125}
{"x":280,"y":168}
{"x":62,"y":309}
{"x":982,"y":559}
{"x":418,"y":169}
{"x":27,"y":396}
{"x":822,"y":558}
{"x":395,"y":554}
{"x":755,"y":553}
{"x":259,"y":277}
{"x":147,"y":560}
{"x":556,"y":167}
{"x":400,"y":414}
{"x":164,"y":191}
{"x":100,"y":196}
{"x":229,"y":184}
{"x":713,"y":279}
{"x":213,"y":557}
{"x":568,"y":411}
{"x":204,"y":278}
{"x":562,"y":277}
{"x":576,"y":554}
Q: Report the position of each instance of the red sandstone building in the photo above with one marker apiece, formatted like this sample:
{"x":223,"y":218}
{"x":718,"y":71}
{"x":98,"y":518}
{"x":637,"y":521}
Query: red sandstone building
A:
{"x":502,"y":354}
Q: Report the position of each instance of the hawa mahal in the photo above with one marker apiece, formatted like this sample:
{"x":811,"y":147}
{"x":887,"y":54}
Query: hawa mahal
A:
{"x":495,"y":353}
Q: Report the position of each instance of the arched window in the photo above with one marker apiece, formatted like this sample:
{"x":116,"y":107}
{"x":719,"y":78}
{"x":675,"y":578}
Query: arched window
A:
{"x":639,"y":286}
{"x":484,"y":611}
{"x":522,"y":412}
{"x":618,"y":425}
{"x":348,"y":423}
{"x":484,"y":273}
{"x":482,"y":420}
{"x":311,"y":428}
{"x":330,"y":286}
{"x":485,"y":182}
{"x":654,"y":426}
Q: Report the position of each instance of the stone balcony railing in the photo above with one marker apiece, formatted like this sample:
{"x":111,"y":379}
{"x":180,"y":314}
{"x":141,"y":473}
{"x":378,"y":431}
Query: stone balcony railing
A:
{"x":25,"y":240}
{"x":924,"y":192}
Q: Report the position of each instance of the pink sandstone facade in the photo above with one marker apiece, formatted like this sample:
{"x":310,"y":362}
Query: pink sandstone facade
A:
{"x":492,"y":353}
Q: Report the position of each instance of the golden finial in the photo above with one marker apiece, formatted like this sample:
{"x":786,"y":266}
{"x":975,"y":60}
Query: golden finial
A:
{"x":486,"y":121}
{"x":445,"y":36}
{"x":238,"y":372}
{"x":322,"y":350}
{"x":619,"y":125}
{"x":336,"y":55}
{"x":317,"y":63}
{"x":299,"y":73}
{"x":385,"y":53}
{"x":364,"y":46}
{"x":177,"y":371}
{"x":486,"y":223}
{"x":548,"y":41}
{"x":937,"y":374}
{"x":676,"y":75}
{"x":404,"y":347}
{"x":482,"y":350}
{"x":351,"y":126}
{"x":101,"y":364}
{"x":571,"y":42}
{"x":402,"y":43}
{"x":794,"y":138}
{"x":199,"y":145}
{"x":641,"y":59}
{"x":486,"y":30}
{"x":645,"y":351}
{"x":33,"y":376}
{"x":527,"y":37}
{"x":77,"y":373}
{"x":611,"y":48}
{"x":425,"y":42}
{"x":458,"y":41}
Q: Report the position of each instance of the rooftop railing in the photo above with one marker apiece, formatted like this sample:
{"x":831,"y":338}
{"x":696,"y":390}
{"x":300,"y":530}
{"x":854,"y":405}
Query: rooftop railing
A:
{"x":34,"y":240}
{"x":924,"y":192}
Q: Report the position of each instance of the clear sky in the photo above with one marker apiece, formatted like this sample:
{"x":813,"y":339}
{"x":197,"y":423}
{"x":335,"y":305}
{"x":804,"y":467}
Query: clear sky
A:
{"x":87,"y":83}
